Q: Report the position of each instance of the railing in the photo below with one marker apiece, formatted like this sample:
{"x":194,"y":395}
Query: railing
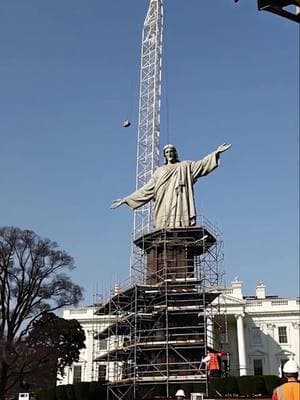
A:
{"x":264,"y":304}
{"x":227,"y":291}
{"x":254,"y":303}
{"x":280,"y":302}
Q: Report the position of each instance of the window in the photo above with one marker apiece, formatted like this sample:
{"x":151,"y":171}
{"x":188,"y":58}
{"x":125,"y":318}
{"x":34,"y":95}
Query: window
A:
{"x":102,"y":344}
{"x":282,"y":334}
{"x":77,"y":374}
{"x":223,"y":337}
{"x":101,"y":372}
{"x":258,"y":367}
{"x":255,"y":336}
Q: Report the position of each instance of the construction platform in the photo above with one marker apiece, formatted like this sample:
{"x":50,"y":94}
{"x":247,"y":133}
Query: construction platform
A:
{"x":159,"y":333}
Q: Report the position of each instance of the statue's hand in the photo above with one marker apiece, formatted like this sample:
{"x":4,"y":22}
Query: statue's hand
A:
{"x":117,"y":203}
{"x":223,"y":147}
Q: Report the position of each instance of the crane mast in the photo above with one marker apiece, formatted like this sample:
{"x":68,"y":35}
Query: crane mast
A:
{"x":149,"y":110}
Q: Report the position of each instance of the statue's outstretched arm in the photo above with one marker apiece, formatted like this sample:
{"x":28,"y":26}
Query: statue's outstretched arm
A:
{"x":223,"y":147}
{"x":117,"y":203}
{"x":139,"y":197}
{"x":209,"y":163}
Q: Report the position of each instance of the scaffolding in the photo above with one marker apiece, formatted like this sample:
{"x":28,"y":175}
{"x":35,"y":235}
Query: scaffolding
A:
{"x":163,"y":325}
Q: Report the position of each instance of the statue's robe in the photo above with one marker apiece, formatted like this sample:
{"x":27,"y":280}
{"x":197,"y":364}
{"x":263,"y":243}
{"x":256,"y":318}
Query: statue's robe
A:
{"x":171,"y":189}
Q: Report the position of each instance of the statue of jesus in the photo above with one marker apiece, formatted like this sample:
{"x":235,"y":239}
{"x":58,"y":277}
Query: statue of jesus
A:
{"x":171,"y":188}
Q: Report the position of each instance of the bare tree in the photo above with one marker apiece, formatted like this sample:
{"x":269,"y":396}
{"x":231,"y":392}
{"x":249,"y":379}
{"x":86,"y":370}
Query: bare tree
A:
{"x":32,"y":282}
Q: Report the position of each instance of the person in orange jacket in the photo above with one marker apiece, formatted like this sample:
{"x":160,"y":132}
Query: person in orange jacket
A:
{"x":291,"y":389}
{"x":212,"y":361}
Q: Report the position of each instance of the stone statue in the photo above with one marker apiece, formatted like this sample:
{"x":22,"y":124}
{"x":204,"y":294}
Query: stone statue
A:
{"x":171,"y":188}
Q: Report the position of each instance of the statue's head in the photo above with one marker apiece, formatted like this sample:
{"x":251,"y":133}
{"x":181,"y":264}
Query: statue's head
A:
{"x":170,"y":154}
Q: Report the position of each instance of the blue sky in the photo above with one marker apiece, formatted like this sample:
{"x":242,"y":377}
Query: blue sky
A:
{"x":69,"y":76}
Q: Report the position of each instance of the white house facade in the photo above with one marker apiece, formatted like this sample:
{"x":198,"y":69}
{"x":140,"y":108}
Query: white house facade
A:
{"x":258,"y":333}
{"x":86,"y":370}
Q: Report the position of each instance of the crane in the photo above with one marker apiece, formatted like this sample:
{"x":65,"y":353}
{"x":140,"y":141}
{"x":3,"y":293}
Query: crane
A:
{"x":148,"y":141}
{"x":149,"y":109}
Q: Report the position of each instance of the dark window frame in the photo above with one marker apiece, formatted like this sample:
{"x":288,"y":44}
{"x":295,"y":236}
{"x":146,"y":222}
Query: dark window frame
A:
{"x":77,"y":371}
{"x":102,"y":369}
{"x":282,"y":335}
{"x":258,"y":369}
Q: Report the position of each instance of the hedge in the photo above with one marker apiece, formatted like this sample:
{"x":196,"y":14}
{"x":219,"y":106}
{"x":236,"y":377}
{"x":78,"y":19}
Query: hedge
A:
{"x":243,"y":385}
{"x":61,"y":392}
{"x":47,"y":394}
{"x":271,"y":382}
{"x":217,"y":385}
{"x":259,"y":386}
{"x":229,"y":386}
{"x":69,"y":392}
{"x":97,"y":391}
{"x":224,"y":386}
{"x":82,"y":391}
{"x":78,"y":391}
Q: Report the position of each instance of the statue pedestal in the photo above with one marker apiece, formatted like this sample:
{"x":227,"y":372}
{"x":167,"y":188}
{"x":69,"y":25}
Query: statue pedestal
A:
{"x":171,"y":253}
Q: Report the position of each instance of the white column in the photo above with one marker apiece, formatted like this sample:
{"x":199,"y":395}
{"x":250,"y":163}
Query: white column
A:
{"x":241,"y":344}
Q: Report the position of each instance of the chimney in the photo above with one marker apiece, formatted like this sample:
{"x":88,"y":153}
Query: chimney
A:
{"x":237,"y":288}
{"x":260,"y":290}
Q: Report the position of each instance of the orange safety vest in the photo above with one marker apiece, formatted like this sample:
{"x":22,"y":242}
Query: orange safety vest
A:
{"x":287,"y":391}
{"x":213,"y":362}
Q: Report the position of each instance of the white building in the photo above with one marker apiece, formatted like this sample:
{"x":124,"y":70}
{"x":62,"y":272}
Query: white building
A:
{"x":85,"y":370}
{"x":259,"y":333}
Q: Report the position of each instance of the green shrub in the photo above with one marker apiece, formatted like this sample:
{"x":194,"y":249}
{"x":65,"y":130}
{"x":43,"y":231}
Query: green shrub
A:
{"x":65,"y":392}
{"x":61,"y":392}
{"x":47,"y":394}
{"x":224,"y":386}
{"x":97,"y":391}
{"x":93,"y":390}
{"x":271,"y":382}
{"x":259,"y":386}
{"x":82,"y":390}
{"x":243,"y":385}
{"x":246,"y":385}
{"x":249,"y":385}
{"x":70,"y":392}
{"x":77,"y":391}
{"x":231,"y":385}
{"x":217,"y":385}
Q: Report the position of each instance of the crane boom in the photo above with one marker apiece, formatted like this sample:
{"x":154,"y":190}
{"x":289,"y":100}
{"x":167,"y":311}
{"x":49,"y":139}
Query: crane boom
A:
{"x":149,"y":109}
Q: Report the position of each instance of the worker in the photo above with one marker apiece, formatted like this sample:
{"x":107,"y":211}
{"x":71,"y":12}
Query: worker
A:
{"x":291,"y":389}
{"x":212,"y":362}
{"x":180,"y":395}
